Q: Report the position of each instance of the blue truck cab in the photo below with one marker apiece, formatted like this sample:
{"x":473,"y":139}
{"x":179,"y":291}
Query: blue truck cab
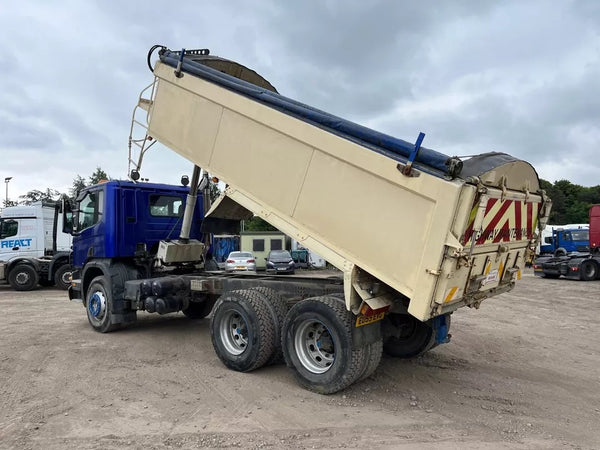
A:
{"x":117,"y":228}
{"x":566,"y":240}
{"x":122,"y":219}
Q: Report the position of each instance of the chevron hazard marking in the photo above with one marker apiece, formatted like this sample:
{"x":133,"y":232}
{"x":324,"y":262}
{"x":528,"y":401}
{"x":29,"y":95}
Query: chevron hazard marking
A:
{"x":504,"y":221}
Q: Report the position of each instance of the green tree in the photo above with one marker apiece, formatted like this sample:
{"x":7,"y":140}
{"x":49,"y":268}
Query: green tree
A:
{"x":38,"y":196}
{"x":78,"y":185}
{"x":258,"y":224}
{"x":98,"y":176}
{"x":570,"y":202}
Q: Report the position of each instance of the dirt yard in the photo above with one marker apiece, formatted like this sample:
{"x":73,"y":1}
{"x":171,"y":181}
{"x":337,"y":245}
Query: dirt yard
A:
{"x":522,"y":372}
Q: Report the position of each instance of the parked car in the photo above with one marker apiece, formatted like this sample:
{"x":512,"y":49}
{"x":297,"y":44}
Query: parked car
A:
{"x":280,"y":261}
{"x":240,"y":261}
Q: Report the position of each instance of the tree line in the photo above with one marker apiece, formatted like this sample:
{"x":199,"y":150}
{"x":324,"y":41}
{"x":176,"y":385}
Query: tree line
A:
{"x":50,"y":195}
{"x":79,"y":183}
{"x":570,"y":202}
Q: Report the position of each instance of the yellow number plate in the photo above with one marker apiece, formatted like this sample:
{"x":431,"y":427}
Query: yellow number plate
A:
{"x":366,"y":320}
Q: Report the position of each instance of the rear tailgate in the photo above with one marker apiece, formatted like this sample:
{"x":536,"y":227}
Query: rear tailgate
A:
{"x":492,"y":243}
{"x":498,"y":233}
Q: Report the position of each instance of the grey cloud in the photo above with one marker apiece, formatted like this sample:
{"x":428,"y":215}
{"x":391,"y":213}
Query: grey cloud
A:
{"x":523,"y":76}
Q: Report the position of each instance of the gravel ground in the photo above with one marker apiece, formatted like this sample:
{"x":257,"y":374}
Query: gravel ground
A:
{"x":521,"y":372}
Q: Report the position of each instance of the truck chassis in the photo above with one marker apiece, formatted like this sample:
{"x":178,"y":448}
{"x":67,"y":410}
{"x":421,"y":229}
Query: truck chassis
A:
{"x":257,"y":320}
{"x":575,"y":266}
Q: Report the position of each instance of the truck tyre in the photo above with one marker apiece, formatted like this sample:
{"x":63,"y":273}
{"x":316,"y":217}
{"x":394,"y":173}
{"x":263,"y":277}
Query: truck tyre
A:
{"x":406,"y":337}
{"x":62,"y":276}
{"x":98,"y":305}
{"x":588,"y":271}
{"x":372,"y":359}
{"x":279,"y":308}
{"x":242,"y":330}
{"x":23,"y":277}
{"x":317,"y":345}
{"x":560,"y":251}
{"x":199,"y":310}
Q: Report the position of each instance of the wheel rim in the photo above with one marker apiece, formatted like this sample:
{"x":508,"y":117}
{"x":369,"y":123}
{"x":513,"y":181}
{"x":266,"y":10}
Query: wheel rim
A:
{"x":234,"y":333}
{"x":97,"y":307}
{"x":314,"y":346}
{"x":66,"y":277}
{"x":22,"y":278}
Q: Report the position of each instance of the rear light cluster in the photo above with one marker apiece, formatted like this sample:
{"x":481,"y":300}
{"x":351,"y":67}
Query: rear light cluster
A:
{"x":250,"y":261}
{"x":230,"y":261}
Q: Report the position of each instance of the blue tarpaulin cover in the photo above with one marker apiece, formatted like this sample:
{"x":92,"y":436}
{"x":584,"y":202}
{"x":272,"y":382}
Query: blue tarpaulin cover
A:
{"x":390,"y":146}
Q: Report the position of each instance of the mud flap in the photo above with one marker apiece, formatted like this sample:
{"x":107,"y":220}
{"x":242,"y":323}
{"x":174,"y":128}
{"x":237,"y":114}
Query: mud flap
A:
{"x":441,"y":328}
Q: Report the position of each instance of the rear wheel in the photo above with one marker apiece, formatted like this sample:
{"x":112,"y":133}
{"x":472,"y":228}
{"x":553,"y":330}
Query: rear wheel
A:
{"x":406,"y":337}
{"x":318,"y":346}
{"x":62,"y":277}
{"x":23,"y":277}
{"x":242,"y":330}
{"x":279,"y":308}
{"x":99,"y":305}
{"x":589,"y":271}
{"x":372,"y":359}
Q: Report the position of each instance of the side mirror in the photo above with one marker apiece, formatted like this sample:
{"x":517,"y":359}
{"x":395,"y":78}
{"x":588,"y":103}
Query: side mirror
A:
{"x":67,"y":216}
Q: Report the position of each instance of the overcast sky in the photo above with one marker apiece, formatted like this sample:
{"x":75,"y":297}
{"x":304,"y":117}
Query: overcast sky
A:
{"x":521,"y":77}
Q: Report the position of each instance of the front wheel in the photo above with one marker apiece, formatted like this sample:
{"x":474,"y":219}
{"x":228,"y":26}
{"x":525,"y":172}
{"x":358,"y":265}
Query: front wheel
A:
{"x":99,"y":304}
{"x":318,"y":346}
{"x":23,"y":277}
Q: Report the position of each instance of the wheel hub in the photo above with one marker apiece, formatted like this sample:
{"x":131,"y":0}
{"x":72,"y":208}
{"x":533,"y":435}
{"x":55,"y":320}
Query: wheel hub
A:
{"x":22,"y":278}
{"x":97,"y":305}
{"x":234,"y":333}
{"x":314,"y":346}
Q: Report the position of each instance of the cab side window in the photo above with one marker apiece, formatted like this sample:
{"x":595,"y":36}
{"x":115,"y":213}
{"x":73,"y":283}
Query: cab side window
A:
{"x":8,"y":228}
{"x":166,"y":206}
{"x":90,"y":209}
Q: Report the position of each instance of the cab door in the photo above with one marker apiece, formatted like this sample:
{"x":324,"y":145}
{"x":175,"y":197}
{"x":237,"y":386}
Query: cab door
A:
{"x":88,"y":227}
{"x":18,"y":238}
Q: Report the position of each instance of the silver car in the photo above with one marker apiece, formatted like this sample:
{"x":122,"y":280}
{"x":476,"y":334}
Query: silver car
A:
{"x":243,"y":261}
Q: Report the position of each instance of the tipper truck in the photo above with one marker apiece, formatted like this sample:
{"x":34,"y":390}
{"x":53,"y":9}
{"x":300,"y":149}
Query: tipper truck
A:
{"x":415,"y":234}
{"x":33,"y":248}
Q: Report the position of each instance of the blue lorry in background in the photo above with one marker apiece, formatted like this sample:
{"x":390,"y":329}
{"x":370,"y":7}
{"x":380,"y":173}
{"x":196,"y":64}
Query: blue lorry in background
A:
{"x":563,"y":240}
{"x":572,"y":251}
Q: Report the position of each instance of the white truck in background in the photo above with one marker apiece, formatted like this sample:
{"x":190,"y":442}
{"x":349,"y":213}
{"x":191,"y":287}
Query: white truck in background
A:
{"x":33,"y":248}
